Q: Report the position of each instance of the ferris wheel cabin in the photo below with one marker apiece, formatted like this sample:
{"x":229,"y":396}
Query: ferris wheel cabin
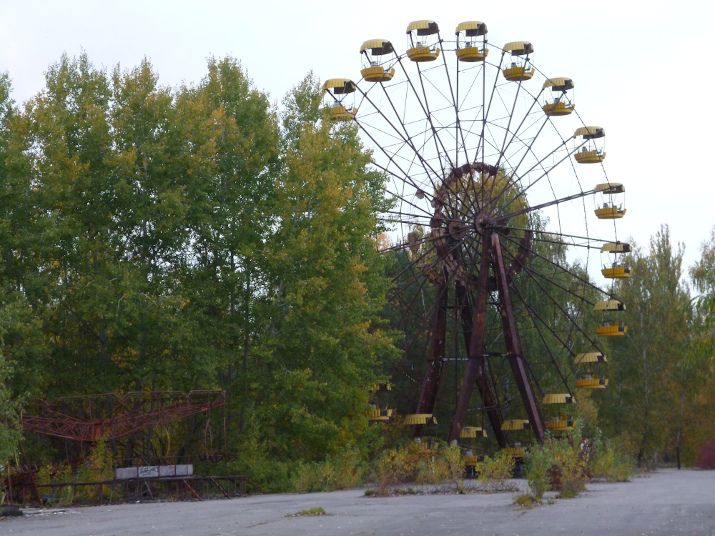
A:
{"x":610,"y":305}
{"x":592,"y":145}
{"x":560,"y":102}
{"x":590,"y":363}
{"x":607,"y":208}
{"x":423,"y":40}
{"x":608,"y":328}
{"x":615,"y":269}
{"x":375,"y":64}
{"x":470,"y":47}
{"x":339,"y":99}
{"x":520,"y":68}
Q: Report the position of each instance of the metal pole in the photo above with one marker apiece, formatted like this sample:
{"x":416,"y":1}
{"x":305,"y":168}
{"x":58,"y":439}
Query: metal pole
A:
{"x":476,"y":364}
{"x":435,"y":358}
{"x":511,"y":338}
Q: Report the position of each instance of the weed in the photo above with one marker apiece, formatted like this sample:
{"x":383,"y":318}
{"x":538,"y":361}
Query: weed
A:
{"x":309,"y":512}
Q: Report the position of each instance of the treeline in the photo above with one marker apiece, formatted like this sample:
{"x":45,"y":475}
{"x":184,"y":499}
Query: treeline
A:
{"x":192,"y":238}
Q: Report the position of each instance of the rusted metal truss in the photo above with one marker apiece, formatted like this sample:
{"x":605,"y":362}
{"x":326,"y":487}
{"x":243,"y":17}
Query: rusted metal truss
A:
{"x":114,"y":416}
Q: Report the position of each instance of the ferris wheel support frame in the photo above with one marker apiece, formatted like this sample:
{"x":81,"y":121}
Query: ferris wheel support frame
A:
{"x":474,"y":329}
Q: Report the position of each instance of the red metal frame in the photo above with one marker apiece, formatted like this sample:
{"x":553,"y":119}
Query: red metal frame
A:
{"x":128,"y":413}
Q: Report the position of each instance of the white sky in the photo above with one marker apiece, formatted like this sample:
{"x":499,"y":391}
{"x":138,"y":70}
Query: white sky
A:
{"x":642,"y":69}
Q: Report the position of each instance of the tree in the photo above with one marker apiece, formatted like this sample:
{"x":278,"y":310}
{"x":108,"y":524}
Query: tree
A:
{"x":650,"y":374}
{"x":326,"y":339}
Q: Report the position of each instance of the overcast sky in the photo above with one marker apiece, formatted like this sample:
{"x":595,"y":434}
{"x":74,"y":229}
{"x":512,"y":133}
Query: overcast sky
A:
{"x":642,"y":70}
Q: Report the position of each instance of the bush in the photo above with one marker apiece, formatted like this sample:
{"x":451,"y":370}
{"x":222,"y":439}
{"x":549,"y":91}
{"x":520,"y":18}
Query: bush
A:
{"x":346,"y":470}
{"x":420,"y":463}
{"x":494,"y":470}
{"x":539,"y":461}
{"x":610,"y":463}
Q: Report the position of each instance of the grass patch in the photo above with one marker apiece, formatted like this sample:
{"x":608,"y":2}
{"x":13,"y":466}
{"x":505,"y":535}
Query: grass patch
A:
{"x":309,"y":512}
{"x":526,"y":501}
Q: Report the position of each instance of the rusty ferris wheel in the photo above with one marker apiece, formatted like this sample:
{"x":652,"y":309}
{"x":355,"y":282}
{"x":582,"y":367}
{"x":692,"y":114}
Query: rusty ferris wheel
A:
{"x":502,"y":207}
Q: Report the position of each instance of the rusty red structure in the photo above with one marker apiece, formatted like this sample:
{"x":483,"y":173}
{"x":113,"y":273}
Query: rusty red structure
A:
{"x":482,"y":158}
{"x":114,"y":415}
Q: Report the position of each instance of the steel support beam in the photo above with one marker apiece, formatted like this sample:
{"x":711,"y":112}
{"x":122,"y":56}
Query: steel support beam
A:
{"x":476,"y":364}
{"x":513,"y":345}
{"x":484,"y":386}
{"x":435,"y":357}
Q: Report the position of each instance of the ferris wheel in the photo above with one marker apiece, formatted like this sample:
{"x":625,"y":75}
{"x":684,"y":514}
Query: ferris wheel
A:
{"x":503,"y":216}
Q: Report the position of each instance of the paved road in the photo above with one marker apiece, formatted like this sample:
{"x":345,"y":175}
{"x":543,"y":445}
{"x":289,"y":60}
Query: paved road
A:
{"x":668,"y":502}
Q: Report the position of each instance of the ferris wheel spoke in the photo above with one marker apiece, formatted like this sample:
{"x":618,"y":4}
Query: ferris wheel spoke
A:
{"x":508,"y":126}
{"x":528,"y":151}
{"x":430,"y":118}
{"x":534,"y":316}
{"x":405,"y":178}
{"x":459,"y":135}
{"x":425,"y":109}
{"x":527,"y":209}
{"x":531,"y":275}
{"x":485,"y":112}
{"x":404,"y":135}
{"x":581,"y":237}
{"x":546,"y":172}
{"x":566,"y":270}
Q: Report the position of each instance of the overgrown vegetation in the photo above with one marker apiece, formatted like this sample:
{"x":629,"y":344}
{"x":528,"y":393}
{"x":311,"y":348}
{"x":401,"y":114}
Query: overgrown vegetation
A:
{"x":419,"y":463}
{"x":161,"y":238}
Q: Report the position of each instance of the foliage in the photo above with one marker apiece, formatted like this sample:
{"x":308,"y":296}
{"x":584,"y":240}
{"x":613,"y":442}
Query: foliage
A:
{"x":610,"y":463}
{"x":496,"y":468}
{"x":539,"y":461}
{"x":526,"y":500}
{"x":341,"y":471}
{"x":175,"y":239}
{"x":310,"y":512}
{"x":419,"y":463}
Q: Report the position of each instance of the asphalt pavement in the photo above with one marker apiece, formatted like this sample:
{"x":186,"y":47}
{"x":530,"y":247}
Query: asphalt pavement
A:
{"x":667,"y":502}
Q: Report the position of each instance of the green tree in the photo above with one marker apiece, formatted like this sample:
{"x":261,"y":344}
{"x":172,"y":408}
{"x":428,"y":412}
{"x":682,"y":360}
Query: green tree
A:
{"x":650,"y":373}
{"x":327,"y":288}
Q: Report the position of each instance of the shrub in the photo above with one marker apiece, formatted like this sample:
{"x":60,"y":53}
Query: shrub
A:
{"x":345,"y":470}
{"x":421,"y":463}
{"x":526,"y":500}
{"x":494,"y":470}
{"x":400,"y":465}
{"x":610,"y":463}
{"x":539,"y":461}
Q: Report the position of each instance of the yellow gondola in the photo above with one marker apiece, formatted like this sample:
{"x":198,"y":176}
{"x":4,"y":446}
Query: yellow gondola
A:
{"x":592,"y":152}
{"x":472,"y":432}
{"x":610,"y":212}
{"x":515,"y":452}
{"x":414,"y":419}
{"x":561,"y":104}
{"x":468,"y":47}
{"x":609,"y":305}
{"x":419,"y":48}
{"x":562,"y":423}
{"x":589,"y":357}
{"x":616,"y":271}
{"x":609,"y":188}
{"x":513,"y":425}
{"x":373,"y":69}
{"x":611,"y":329}
{"x":519,"y":70}
{"x":558,"y":398}
{"x":607,"y":209}
{"x":591,"y":381}
{"x":616,"y":247}
{"x":337,"y":89}
{"x":376,"y":414}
